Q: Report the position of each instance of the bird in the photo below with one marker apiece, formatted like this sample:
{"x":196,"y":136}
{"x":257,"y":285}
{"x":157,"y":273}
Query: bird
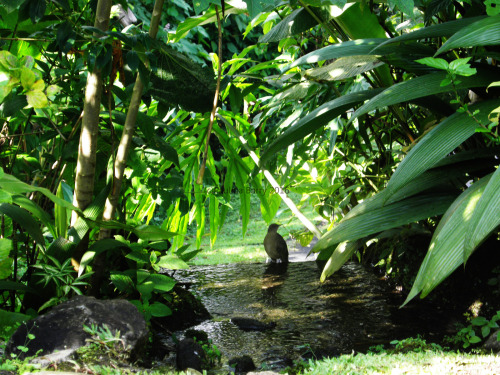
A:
{"x":275,"y":245}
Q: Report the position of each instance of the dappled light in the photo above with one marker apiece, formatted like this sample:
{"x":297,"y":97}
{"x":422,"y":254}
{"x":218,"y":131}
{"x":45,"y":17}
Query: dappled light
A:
{"x":300,"y":180}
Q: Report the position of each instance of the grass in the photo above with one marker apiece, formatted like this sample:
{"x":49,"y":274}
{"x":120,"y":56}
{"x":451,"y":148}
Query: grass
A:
{"x":232,"y":247}
{"x":426,"y":362}
{"x":417,"y":361}
{"x":409,"y":356}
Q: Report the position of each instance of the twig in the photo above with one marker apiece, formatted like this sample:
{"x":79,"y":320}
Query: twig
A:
{"x":199,"y":180}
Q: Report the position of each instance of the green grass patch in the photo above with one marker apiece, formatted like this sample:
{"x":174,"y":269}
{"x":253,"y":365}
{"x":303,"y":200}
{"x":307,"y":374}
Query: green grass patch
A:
{"x":427,"y":362}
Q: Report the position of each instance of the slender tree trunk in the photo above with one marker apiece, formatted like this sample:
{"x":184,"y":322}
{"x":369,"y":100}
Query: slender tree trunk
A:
{"x":128,"y":132}
{"x":85,"y":168}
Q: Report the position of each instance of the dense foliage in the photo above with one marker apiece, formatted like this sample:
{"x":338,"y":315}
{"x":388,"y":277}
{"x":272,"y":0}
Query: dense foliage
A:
{"x":379,"y":114}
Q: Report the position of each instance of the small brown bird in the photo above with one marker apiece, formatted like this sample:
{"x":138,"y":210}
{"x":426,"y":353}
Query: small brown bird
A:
{"x":275,"y":245}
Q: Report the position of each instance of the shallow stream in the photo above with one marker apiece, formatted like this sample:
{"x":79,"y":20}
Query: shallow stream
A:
{"x":352,"y":310}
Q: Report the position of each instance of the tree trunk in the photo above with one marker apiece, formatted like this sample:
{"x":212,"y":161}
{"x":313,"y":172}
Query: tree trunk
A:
{"x":85,"y":168}
{"x":128,"y":132}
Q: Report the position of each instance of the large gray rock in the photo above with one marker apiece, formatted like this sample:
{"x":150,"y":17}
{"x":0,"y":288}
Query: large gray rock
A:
{"x":62,"y":327}
{"x":492,"y":343}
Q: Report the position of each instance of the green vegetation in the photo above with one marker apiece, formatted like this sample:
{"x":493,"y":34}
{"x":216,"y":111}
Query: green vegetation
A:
{"x":116,"y":162}
{"x":428,"y":362}
{"x":478,"y":329}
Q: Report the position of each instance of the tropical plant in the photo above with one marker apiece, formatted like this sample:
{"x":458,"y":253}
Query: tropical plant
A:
{"x":415,"y":91}
{"x":478,"y":329}
{"x":379,"y":114}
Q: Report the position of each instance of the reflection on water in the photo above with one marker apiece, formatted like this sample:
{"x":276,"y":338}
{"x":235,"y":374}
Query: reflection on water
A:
{"x":350,"y":311}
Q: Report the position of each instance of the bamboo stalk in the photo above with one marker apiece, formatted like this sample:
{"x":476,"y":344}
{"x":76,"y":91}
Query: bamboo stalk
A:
{"x":128,"y":132}
{"x":85,"y":168}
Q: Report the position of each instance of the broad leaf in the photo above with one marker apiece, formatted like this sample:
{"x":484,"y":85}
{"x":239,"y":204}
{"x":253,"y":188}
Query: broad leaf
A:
{"x":486,"y":216}
{"x":214,"y":218}
{"x":180,"y":81}
{"x":25,"y":221}
{"x":446,"y":249}
{"x":383,"y":218}
{"x":315,"y":120}
{"x":343,"y":68}
{"x":341,"y":254}
{"x":15,"y":186}
{"x":484,"y":32}
{"x":352,"y":48}
{"x":151,"y":233}
{"x":122,"y":282}
{"x":172,"y":262}
{"x":438,"y":143}
{"x":296,"y":22}
{"x":159,"y":310}
{"x":241,"y":184}
{"x":423,"y":86}
{"x":5,"y":260}
{"x":434,"y":31}
{"x":162,"y":283}
{"x":36,"y":211}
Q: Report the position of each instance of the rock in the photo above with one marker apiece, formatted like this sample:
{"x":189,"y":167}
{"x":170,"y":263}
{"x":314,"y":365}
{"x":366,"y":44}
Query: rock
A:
{"x":196,"y":334}
{"x":248,"y":324}
{"x":492,"y":343}
{"x":190,"y":355}
{"x":61,"y":328}
{"x":242,"y":364}
{"x":187,"y":311}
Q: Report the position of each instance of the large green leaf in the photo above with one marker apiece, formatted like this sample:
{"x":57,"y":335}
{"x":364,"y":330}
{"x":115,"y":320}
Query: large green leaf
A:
{"x":25,"y":221}
{"x":341,"y":254}
{"x":429,"y":181}
{"x":486,"y":216}
{"x":440,"y":30}
{"x":343,"y":68}
{"x":383,"y":218}
{"x":36,"y":211}
{"x":162,"y":283}
{"x":438,"y":143}
{"x":5,"y":260}
{"x":359,"y":22}
{"x":91,"y":213}
{"x":172,"y":262}
{"x":423,"y":86}
{"x":296,"y":22}
{"x":314,"y":120}
{"x":351,"y":48}
{"x":484,"y":32}
{"x":152,"y":233}
{"x":122,"y":282}
{"x":14,"y":186}
{"x":446,"y":249}
{"x":159,"y":310}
